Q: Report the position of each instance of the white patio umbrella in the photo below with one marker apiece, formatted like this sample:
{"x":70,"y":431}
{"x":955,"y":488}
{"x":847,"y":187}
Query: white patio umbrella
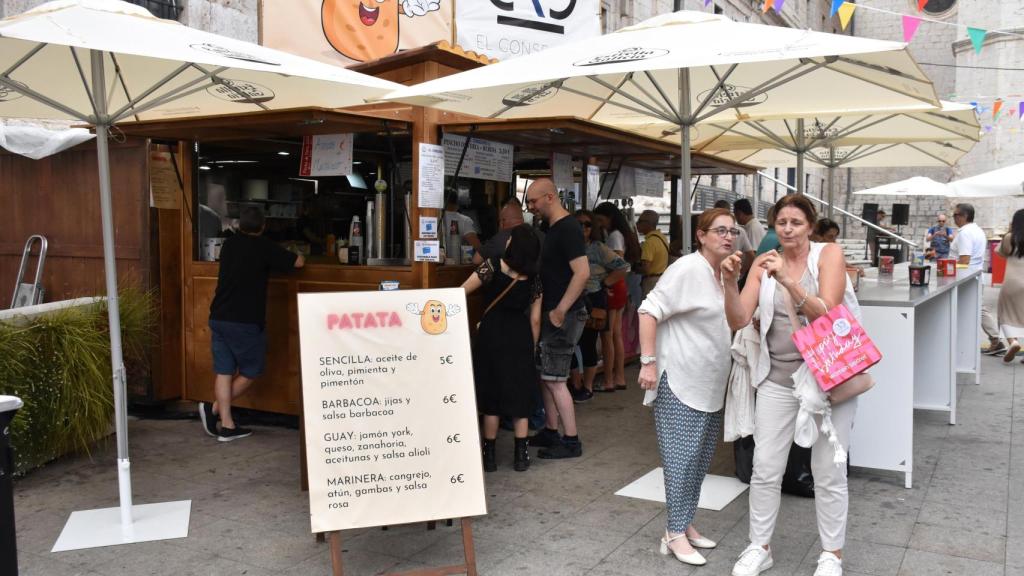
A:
{"x":1008,"y":181}
{"x":851,"y":139}
{"x":685,"y":68}
{"x":916,"y":186}
{"x":107,"y":61}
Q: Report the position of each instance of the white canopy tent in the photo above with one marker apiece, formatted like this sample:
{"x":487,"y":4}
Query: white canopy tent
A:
{"x":916,"y":186}
{"x":688,"y":68}
{"x":103,"y":62}
{"x":1008,"y":181}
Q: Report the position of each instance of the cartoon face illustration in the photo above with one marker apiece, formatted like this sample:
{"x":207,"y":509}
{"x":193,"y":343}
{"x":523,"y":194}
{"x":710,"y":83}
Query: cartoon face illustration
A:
{"x":434,"y":315}
{"x":365,"y":30}
{"x":361,"y":29}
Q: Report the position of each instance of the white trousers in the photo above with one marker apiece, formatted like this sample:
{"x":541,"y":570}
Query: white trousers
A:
{"x":774,"y":426}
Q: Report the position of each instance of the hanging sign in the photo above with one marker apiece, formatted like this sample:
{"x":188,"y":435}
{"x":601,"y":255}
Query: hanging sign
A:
{"x":561,"y":171}
{"x":621,"y":185}
{"x":164,"y":187}
{"x":431,"y":176}
{"x":505,"y":30}
{"x":649,"y":183}
{"x":593,"y":185}
{"x":389,"y":408}
{"x":326,"y":155}
{"x":345,"y":32}
{"x":484,"y":159}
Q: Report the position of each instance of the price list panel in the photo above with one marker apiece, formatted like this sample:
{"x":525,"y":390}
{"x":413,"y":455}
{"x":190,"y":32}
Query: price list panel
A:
{"x":389,"y":408}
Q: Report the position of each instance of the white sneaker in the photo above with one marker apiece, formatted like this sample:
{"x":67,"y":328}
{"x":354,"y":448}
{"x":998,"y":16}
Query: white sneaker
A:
{"x":829,"y":565}
{"x":754,"y":560}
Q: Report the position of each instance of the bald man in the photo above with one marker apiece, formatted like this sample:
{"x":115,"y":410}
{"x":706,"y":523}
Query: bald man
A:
{"x":564,"y":271}
{"x":510,"y":216}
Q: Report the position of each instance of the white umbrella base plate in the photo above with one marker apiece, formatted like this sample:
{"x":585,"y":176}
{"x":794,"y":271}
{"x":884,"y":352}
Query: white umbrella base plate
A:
{"x":716,"y":492}
{"x":102,"y":527}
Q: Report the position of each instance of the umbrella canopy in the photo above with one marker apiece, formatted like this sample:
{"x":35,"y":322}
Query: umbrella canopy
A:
{"x":104,"y":61}
{"x":916,"y":186}
{"x":882,"y":155}
{"x":685,"y":68}
{"x":1007,"y":181}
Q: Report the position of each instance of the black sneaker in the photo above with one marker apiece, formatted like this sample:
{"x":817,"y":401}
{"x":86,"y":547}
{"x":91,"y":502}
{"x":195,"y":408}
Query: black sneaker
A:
{"x":564,"y":449}
{"x":545,"y":438}
{"x":229,"y":434}
{"x":582,"y":395}
{"x":994,"y":349}
{"x":208,"y":418}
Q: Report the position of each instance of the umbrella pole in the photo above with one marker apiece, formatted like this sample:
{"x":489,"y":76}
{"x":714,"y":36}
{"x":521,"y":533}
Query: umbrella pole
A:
{"x":124,"y":479}
{"x":831,"y":179}
{"x":684,"y":155}
{"x":800,"y":180}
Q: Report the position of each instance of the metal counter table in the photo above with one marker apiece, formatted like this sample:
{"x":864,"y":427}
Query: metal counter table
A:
{"x":927,"y":336}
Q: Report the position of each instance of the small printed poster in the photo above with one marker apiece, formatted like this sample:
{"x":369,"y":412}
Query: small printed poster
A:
{"x":649,"y":183}
{"x":431,"y":176}
{"x":561,"y":171}
{"x":164,"y":187}
{"x":427,"y":251}
{"x":593,"y":185}
{"x":428,"y":227}
{"x":326,"y":155}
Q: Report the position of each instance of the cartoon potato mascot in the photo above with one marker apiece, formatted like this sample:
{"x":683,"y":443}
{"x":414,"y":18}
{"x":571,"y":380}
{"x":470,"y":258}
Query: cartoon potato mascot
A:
{"x":365,"y":30}
{"x":434,"y":315}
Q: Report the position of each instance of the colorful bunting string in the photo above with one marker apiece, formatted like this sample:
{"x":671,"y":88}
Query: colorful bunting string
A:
{"x":846,"y":14}
{"x":768,"y":5}
{"x":778,"y":5}
{"x":845,"y":9}
{"x":910,"y":25}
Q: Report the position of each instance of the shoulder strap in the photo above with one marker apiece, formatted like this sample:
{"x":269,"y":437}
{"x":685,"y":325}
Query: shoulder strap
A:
{"x":500,"y":296}
{"x":662,"y":240}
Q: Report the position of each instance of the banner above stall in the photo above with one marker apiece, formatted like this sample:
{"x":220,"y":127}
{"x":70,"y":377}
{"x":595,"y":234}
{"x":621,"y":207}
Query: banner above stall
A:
{"x":346,"y":32}
{"x":505,"y":30}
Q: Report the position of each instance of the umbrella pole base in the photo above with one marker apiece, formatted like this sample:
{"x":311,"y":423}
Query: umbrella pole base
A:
{"x":102,"y":527}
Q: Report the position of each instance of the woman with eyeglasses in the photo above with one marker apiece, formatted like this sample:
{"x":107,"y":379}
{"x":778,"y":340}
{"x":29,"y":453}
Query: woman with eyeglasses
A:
{"x":811,"y":277}
{"x":1010,"y":309}
{"x":684,"y":367}
{"x":606,"y":269}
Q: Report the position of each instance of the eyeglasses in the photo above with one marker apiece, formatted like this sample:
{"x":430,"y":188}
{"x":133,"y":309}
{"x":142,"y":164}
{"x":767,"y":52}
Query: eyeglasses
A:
{"x":957,"y":214}
{"x":722,"y":231}
{"x":586,"y":223}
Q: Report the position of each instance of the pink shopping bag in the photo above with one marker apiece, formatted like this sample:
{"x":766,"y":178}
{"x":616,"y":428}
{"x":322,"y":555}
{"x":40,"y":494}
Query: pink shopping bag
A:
{"x":836,"y":348}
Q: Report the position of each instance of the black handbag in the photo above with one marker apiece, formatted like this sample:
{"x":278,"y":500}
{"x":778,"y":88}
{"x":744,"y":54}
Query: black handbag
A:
{"x":797,"y":480}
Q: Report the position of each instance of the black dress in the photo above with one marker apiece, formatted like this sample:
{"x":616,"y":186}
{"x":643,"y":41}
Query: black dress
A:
{"x":503,"y":352}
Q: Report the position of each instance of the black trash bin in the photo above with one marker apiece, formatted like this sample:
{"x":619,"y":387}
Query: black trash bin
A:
{"x":9,"y":406}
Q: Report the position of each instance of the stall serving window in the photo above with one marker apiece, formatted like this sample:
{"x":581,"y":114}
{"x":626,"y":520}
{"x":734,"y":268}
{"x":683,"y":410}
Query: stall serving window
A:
{"x":356,"y":201}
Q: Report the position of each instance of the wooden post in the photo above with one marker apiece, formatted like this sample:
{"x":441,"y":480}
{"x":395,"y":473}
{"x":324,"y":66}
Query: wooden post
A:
{"x":336,"y":569}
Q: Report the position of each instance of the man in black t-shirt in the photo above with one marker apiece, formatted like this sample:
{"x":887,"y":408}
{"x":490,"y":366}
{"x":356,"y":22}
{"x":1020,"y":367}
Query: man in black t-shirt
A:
{"x":564,"y":271}
{"x":237,"y":317}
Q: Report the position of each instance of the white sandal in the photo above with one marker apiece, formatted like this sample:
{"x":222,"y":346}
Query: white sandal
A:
{"x":693,"y":558}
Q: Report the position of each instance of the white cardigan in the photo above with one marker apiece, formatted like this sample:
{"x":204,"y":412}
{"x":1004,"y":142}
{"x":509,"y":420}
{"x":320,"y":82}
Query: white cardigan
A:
{"x":693,"y":336}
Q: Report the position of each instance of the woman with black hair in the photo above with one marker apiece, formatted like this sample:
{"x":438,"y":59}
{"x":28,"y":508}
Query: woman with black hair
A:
{"x":503,"y":352}
{"x":621,"y":238}
{"x":1011,"y":296}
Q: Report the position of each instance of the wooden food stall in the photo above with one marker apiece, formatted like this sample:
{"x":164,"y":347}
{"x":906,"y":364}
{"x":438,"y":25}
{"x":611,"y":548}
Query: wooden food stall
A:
{"x":229,"y":162}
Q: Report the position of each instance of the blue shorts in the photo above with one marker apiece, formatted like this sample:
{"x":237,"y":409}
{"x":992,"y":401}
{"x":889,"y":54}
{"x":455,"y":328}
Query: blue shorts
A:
{"x":238,"y":346}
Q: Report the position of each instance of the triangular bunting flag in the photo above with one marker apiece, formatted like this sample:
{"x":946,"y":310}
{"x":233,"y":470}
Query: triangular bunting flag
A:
{"x":910,"y":24}
{"x":845,"y":13}
{"x":1020,"y":111}
{"x":996,"y":107}
{"x":706,"y":3}
{"x":768,"y":4}
{"x":977,"y":36}
{"x":778,"y":5}
{"x":835,"y":7}
{"x":921,"y":4}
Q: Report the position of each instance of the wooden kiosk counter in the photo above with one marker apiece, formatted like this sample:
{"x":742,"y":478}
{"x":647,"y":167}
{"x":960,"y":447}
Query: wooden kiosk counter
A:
{"x":226,"y":163}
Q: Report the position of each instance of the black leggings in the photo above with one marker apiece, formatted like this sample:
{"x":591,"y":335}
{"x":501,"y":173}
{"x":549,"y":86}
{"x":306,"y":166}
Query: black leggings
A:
{"x":588,"y":348}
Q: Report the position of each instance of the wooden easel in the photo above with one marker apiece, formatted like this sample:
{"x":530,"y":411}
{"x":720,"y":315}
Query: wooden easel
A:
{"x":468,"y":567}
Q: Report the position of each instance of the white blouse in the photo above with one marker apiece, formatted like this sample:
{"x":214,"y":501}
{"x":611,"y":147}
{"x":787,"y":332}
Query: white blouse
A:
{"x":693,"y":336}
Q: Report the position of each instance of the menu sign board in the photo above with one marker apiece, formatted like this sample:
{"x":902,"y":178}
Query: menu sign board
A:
{"x":649,"y":183}
{"x":164,"y":187}
{"x":484,"y":159}
{"x":431,"y":176}
{"x":389,"y":407}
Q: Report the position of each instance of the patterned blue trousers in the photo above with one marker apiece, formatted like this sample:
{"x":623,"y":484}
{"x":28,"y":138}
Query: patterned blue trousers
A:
{"x":686,"y":440}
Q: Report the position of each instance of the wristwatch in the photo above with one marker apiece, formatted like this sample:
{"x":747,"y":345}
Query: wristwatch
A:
{"x":645,"y":360}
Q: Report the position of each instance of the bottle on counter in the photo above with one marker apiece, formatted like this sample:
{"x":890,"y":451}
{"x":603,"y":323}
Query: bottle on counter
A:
{"x":355,"y":240}
{"x":454,"y":241}
{"x":330,"y":242}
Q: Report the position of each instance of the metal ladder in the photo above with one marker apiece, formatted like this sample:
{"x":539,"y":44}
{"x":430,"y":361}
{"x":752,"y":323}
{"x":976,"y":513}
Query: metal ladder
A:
{"x":30,"y":294}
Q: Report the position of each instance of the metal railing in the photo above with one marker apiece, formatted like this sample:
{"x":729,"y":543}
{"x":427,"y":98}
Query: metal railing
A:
{"x":845,"y":213}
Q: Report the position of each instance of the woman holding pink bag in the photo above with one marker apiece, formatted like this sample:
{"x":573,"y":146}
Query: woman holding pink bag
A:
{"x":811,"y":277}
